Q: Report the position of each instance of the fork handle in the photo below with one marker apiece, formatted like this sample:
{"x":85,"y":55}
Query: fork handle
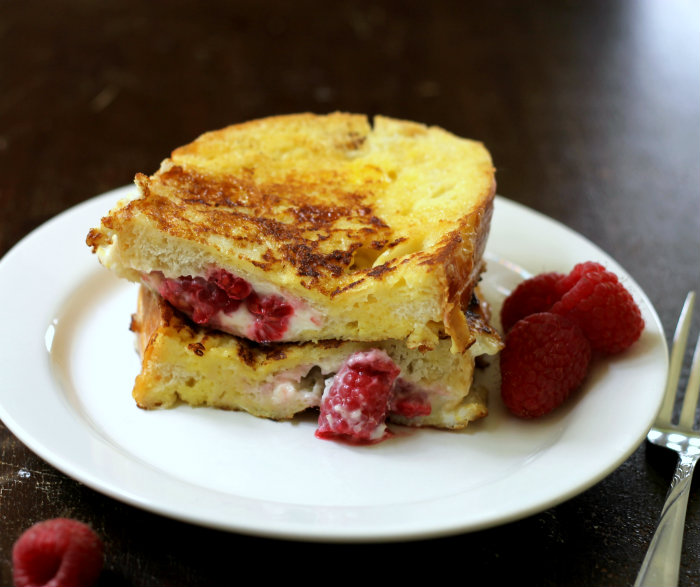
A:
{"x":662,"y":561}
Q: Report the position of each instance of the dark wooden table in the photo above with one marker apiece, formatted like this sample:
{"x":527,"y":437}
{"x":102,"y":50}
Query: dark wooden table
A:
{"x":590,"y":110}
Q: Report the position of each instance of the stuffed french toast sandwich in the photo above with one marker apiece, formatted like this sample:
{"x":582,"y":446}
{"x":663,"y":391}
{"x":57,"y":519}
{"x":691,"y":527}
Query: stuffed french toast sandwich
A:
{"x":287,"y":261}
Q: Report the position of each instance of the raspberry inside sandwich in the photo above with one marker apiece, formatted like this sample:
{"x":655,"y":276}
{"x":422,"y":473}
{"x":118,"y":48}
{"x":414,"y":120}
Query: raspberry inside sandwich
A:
{"x":229,"y":303}
{"x":355,"y":404}
{"x":364,"y":391}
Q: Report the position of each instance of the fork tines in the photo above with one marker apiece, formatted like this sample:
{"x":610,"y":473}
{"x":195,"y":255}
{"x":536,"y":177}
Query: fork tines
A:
{"x":690,"y":401}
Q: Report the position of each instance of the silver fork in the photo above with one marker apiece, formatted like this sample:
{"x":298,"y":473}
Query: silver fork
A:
{"x":662,"y":561}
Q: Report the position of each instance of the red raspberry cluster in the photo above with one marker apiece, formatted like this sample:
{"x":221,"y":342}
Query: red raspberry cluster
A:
{"x":554,"y":325}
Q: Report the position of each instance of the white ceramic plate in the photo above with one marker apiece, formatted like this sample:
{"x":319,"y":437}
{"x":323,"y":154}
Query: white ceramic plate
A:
{"x":68,"y":365}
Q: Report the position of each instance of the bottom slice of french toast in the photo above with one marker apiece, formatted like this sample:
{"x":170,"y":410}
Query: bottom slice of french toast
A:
{"x":186,"y":363}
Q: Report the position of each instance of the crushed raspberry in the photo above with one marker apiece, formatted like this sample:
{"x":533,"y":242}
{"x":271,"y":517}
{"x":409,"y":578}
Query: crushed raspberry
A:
{"x":533,"y":295}
{"x":355,"y":405}
{"x":57,"y":553}
{"x":604,"y":310}
{"x":200,"y":298}
{"x":407,"y":401}
{"x":272,"y":315}
{"x":221,"y":291}
{"x":546,"y":357}
{"x":236,"y":288}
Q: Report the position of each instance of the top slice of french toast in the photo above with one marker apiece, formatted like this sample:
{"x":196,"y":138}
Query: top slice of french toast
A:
{"x":331,"y":227}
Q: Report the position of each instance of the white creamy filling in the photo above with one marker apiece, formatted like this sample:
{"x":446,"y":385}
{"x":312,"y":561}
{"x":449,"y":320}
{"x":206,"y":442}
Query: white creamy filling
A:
{"x":242,"y":322}
{"x":293,"y":387}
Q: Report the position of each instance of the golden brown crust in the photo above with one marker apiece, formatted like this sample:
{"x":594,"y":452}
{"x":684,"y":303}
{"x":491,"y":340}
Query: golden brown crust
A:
{"x":316,"y":235}
{"x":329,"y":208}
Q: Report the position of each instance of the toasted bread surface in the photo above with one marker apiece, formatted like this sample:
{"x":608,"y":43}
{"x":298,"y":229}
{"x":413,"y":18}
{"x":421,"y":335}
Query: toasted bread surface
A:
{"x":379,"y":228}
{"x":186,"y":363}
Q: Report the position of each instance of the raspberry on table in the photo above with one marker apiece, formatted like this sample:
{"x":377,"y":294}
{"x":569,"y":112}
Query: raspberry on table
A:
{"x":546,"y":357}
{"x":536,"y":294}
{"x":355,"y":405}
{"x":604,"y":310}
{"x":57,"y":553}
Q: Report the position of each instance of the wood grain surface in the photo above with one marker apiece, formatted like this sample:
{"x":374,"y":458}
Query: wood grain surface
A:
{"x":591,"y":110}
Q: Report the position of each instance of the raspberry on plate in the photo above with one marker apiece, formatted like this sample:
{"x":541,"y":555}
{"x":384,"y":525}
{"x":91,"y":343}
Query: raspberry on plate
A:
{"x":604,"y":310}
{"x":580,"y":270}
{"x":546,"y":357}
{"x":57,"y":553}
{"x":536,"y":294}
{"x":355,"y":405}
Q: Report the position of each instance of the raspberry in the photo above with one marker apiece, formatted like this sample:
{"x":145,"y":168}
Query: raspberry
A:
{"x":272,"y":315}
{"x":355,"y":405}
{"x":57,"y":553}
{"x":546,"y":357}
{"x":223,"y":292}
{"x":407,"y":401}
{"x":198,"y":297}
{"x":235,"y":287}
{"x":604,"y":310}
{"x":533,"y":295}
{"x":580,"y":270}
